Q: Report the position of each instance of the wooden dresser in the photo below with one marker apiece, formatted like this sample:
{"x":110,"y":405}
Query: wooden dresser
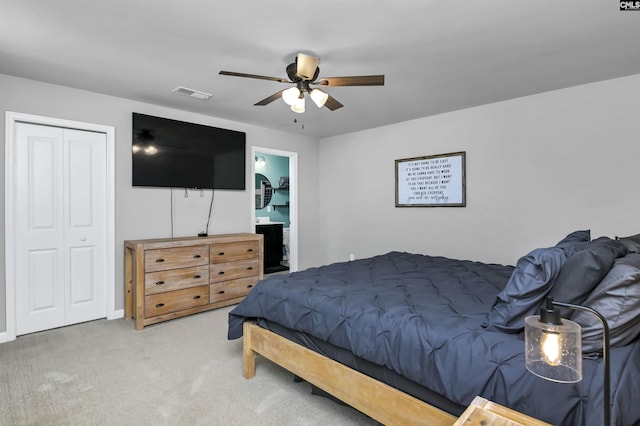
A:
{"x":172,"y":277}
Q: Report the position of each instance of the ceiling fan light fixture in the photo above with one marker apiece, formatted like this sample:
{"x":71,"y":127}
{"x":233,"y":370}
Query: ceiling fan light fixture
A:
{"x":319,"y":97}
{"x":291,"y":95}
{"x":302,"y":73}
{"x":298,"y":106}
{"x":306,"y":66}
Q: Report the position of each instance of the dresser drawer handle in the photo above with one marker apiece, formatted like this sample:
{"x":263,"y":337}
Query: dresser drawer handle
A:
{"x":159,"y":260}
{"x":159,"y":305}
{"x":249,"y":250}
{"x":159,"y":282}
{"x":195,"y":277}
{"x":221,"y":253}
{"x":221,"y":292}
{"x":221,"y":273}
{"x":250,"y":285}
{"x":249,"y":268}
{"x":196,"y":297}
{"x":197,"y":256}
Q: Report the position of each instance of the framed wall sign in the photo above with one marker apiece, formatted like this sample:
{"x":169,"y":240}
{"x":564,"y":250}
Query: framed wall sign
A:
{"x":431,"y":181}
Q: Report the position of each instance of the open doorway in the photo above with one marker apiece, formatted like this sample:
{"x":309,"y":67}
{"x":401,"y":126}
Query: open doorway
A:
{"x":275,"y":207}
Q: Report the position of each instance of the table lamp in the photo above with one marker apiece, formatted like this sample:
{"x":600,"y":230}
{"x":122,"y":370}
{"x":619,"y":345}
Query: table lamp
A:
{"x":553,"y":348}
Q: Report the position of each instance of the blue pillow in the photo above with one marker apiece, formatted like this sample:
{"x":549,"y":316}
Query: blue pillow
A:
{"x":617,"y":298}
{"x":584,"y":270}
{"x":632,"y":243}
{"x":527,"y":288}
{"x":575,"y":241}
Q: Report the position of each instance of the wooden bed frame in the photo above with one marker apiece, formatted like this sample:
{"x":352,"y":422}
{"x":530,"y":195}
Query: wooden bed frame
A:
{"x":378,"y":400}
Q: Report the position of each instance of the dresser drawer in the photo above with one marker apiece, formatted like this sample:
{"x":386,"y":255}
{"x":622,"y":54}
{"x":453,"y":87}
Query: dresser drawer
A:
{"x":239,"y":250}
{"x":231,"y":289}
{"x":232,"y":270}
{"x":175,"y":279}
{"x":162,"y":303}
{"x":178,"y":257}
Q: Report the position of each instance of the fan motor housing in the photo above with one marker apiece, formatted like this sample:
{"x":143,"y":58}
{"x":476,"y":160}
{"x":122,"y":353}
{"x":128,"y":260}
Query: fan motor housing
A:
{"x":292,"y":72}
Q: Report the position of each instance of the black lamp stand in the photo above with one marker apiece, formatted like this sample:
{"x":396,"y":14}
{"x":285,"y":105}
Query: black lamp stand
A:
{"x":605,"y":354}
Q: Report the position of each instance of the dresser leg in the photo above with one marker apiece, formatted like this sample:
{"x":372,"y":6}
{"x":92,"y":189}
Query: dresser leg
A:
{"x":128,"y":283}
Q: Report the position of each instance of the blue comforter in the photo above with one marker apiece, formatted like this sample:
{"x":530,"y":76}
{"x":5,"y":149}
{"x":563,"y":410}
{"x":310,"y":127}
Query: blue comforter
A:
{"x":421,"y":317}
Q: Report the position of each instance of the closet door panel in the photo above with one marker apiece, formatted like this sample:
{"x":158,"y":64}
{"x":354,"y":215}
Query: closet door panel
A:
{"x":39,"y":228}
{"x":85,"y":223}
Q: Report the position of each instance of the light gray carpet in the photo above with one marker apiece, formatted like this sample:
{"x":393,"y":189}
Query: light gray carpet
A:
{"x":181,"y":372}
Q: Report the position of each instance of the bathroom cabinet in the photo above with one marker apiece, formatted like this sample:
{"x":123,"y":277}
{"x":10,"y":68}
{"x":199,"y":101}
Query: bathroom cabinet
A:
{"x":272,"y":233}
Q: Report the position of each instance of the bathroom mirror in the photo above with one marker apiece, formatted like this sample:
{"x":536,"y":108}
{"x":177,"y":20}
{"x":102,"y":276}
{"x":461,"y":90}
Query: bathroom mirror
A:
{"x":264,"y":191}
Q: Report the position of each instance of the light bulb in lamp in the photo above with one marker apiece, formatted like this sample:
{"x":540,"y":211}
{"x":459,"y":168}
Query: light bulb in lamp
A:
{"x":551,"y":348}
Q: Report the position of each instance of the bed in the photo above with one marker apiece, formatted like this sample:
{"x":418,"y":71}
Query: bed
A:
{"x":413,"y":338}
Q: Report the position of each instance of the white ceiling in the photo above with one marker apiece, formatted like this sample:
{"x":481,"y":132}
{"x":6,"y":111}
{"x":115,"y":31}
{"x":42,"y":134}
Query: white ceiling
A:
{"x":436,"y":55}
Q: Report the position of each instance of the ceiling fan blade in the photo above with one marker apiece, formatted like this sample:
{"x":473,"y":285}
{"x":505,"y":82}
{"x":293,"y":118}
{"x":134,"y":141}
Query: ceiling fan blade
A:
{"x":267,"y":101}
{"x":332,"y":103}
{"x":358,"y":80}
{"x":260,"y":77}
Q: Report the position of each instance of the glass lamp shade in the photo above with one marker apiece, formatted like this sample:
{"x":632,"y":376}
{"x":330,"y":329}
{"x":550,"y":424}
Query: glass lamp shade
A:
{"x":291,"y":95}
{"x":306,"y":66}
{"x":319,"y":97}
{"x":553,"y":352}
{"x":298,"y":106}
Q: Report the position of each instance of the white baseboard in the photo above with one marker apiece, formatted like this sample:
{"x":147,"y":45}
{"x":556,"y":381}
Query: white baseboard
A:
{"x":116,"y":314}
{"x":4,"y":337}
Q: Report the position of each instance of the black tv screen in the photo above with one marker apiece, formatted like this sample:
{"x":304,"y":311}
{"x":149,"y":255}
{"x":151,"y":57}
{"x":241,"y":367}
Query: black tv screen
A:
{"x":171,"y":153}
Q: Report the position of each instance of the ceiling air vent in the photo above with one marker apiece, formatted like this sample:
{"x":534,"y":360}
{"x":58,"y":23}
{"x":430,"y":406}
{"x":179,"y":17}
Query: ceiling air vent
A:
{"x":193,"y":93}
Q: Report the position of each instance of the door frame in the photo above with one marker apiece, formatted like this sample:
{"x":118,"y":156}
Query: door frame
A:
{"x":11,"y":119}
{"x":293,"y":198}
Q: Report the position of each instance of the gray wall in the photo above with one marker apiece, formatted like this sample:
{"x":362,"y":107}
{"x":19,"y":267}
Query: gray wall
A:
{"x":145,"y":212}
{"x":538,"y":167}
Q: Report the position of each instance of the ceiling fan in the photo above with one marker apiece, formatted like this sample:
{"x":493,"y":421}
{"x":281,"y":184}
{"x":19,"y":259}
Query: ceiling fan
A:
{"x":303,"y":72}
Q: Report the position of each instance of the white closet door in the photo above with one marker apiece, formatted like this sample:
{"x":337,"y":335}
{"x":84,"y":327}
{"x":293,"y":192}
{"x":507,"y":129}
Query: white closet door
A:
{"x":60,"y":227}
{"x":85,"y":208}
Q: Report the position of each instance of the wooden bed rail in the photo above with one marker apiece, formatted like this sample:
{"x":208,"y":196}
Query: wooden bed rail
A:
{"x":378,"y":400}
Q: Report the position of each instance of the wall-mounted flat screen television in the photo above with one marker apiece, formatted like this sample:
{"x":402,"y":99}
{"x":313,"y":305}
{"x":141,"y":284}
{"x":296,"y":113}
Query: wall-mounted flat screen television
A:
{"x":171,"y":153}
